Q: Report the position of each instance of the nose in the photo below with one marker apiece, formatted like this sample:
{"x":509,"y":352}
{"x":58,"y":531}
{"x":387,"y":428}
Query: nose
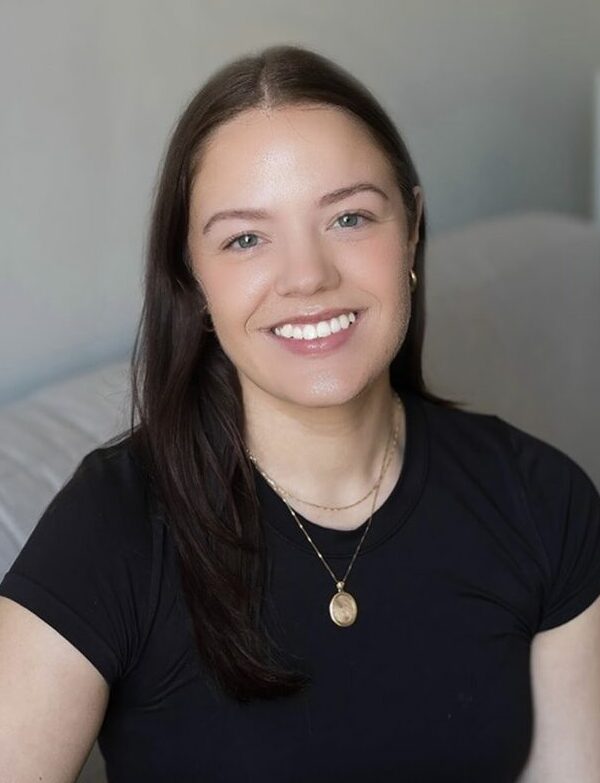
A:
{"x":304,"y":269}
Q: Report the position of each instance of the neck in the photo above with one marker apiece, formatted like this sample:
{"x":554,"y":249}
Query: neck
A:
{"x":330,"y":456}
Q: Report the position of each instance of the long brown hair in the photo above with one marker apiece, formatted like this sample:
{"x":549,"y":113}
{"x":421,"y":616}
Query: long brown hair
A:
{"x":186,"y":392}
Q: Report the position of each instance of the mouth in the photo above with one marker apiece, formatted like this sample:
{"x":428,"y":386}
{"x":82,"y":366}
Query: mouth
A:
{"x":321,"y":325}
{"x":304,"y":339}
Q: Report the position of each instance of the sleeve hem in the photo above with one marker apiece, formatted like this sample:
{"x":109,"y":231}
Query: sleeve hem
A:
{"x":584,"y":599}
{"x":67,"y":623}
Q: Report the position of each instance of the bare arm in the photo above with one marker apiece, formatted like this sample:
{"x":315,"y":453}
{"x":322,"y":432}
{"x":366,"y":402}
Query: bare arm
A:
{"x":565,"y":666}
{"x":52,"y":700}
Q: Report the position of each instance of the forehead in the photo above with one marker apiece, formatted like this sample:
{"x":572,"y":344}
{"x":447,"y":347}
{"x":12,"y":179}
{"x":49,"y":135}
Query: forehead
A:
{"x":285,"y":151}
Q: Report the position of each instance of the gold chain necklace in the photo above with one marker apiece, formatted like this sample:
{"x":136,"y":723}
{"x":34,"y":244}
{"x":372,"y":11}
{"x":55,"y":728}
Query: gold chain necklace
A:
{"x":343,"y":608}
{"x":281,"y":491}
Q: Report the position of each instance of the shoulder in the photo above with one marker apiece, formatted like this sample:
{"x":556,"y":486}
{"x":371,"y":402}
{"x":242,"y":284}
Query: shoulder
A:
{"x":550,"y":475}
{"x":540,"y":492}
{"x":108,"y":496}
{"x":471,"y":441}
{"x":116,"y":464}
{"x":91,"y":566}
{"x":492,"y":438}
{"x":532,"y":475}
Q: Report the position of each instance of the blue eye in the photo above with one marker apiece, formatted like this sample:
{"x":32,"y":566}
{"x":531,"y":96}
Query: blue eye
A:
{"x":241,"y":237}
{"x":354,"y":215}
{"x":237,"y":239}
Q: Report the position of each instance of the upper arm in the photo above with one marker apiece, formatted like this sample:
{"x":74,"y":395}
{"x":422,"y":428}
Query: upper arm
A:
{"x":52,"y":700}
{"x":565,"y":671}
{"x":75,"y":610}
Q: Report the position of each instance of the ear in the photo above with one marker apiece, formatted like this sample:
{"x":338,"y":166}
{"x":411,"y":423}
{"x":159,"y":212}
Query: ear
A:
{"x":414,"y":239}
{"x":198,"y":279}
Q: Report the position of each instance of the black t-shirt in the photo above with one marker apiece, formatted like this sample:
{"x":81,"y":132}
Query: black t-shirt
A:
{"x":489,"y":536}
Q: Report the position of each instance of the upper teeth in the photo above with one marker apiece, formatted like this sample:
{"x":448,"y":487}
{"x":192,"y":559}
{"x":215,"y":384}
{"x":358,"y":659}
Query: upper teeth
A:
{"x":320,"y":329}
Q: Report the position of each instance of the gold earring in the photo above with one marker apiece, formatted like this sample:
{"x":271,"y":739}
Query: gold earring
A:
{"x":413,"y":280}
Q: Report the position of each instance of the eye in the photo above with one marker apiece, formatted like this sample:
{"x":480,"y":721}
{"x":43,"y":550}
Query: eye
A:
{"x":354,"y":215}
{"x":239,"y":237}
{"x":243,"y":246}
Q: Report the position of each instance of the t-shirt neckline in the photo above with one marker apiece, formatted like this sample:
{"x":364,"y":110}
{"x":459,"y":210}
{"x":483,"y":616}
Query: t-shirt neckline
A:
{"x":387,"y":519}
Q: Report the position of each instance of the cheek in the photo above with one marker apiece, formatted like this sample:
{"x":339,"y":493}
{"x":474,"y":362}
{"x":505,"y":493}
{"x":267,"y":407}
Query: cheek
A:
{"x":385,"y":276}
{"x":384,"y":258}
{"x":235,"y":299}
{"x":391,"y":285}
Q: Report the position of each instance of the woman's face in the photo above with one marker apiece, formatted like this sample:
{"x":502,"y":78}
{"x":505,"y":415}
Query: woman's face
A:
{"x":304,"y":250}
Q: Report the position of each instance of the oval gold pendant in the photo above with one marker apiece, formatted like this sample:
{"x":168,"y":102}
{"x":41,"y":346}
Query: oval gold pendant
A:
{"x":343,"y":608}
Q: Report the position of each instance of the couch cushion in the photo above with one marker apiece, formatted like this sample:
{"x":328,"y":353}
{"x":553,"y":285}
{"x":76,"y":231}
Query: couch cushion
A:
{"x":44,"y":436}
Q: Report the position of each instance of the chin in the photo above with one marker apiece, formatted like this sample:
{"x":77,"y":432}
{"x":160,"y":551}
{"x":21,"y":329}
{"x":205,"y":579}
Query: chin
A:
{"x":323,"y":392}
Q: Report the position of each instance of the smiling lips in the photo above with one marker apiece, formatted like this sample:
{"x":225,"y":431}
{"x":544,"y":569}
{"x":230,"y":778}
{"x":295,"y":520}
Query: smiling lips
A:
{"x":322,"y":328}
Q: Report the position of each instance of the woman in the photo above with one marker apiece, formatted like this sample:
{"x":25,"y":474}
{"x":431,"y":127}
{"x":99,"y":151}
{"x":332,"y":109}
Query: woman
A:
{"x":300,"y":563}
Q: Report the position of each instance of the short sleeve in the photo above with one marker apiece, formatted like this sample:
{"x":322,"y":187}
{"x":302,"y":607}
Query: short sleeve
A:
{"x":565,"y":507}
{"x":86,"y":567}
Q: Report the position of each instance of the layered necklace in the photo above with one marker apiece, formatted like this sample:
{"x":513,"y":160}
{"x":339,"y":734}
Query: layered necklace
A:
{"x":343,"y":608}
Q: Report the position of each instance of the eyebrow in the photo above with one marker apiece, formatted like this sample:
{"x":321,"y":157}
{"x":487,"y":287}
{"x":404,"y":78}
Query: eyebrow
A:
{"x":328,"y":198}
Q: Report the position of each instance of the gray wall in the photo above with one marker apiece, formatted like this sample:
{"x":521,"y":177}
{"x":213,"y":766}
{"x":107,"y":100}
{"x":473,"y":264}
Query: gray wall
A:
{"x":494,"y":99}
